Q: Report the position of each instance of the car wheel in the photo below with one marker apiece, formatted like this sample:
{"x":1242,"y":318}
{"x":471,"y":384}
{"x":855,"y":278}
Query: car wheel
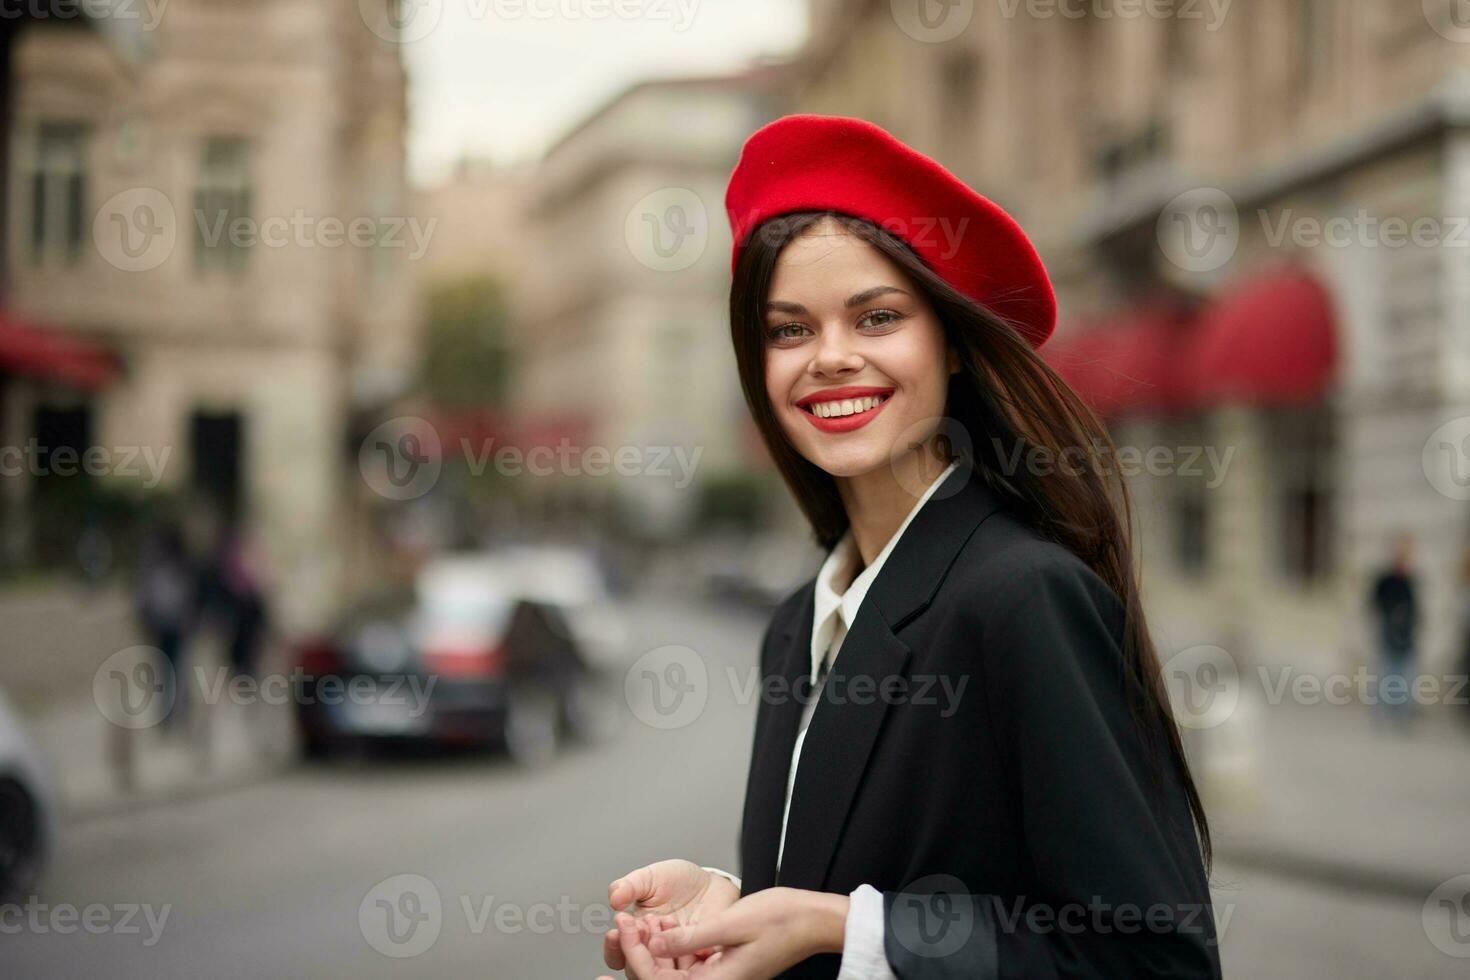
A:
{"x":327,"y":747}
{"x":591,"y":710}
{"x":531,"y":723}
{"x":20,"y":841}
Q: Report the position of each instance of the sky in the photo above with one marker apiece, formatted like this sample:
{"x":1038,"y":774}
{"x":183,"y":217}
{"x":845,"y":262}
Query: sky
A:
{"x":503,"y":79}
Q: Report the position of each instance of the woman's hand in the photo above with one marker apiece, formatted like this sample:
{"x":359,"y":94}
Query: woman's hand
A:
{"x":634,"y":933}
{"x":755,"y":939}
{"x":682,"y":891}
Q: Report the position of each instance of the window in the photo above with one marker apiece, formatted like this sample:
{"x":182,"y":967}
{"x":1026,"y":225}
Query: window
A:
{"x":959,"y":121}
{"x":1176,"y":47}
{"x":59,"y":191}
{"x":1314,"y":43}
{"x":1190,"y":528}
{"x":221,"y":200}
{"x":62,"y":487}
{"x":960,"y":81}
{"x":1187,"y":489}
{"x":217,"y":453}
{"x":1302,"y":451}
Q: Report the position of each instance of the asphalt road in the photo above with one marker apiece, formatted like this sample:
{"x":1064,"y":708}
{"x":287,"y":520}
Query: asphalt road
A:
{"x":303,"y":876}
{"x":268,"y":880}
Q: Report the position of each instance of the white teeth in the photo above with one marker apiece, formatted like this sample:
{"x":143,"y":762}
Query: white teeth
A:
{"x":847,"y":406}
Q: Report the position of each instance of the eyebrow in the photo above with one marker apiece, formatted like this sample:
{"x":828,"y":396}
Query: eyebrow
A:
{"x":856,"y":299}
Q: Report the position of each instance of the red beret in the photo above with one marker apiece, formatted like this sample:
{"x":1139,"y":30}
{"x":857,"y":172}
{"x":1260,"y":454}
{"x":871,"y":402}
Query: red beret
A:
{"x":807,"y":162}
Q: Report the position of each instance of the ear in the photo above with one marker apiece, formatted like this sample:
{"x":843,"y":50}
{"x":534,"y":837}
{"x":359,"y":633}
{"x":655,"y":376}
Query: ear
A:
{"x":952,"y":358}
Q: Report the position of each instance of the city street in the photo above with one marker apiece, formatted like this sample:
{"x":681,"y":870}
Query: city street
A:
{"x":273,"y":878}
{"x":382,"y":379}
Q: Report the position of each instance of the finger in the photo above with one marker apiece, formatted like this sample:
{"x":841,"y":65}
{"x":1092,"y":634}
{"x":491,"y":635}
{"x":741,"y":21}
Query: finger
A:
{"x":686,"y":960}
{"x":612,"y":950}
{"x":636,"y":886}
{"x":656,"y":926}
{"x":691,"y":938}
{"x":635,"y":951}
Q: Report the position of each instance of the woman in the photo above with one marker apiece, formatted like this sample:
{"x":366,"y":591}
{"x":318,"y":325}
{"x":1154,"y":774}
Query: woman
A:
{"x":989,"y":782}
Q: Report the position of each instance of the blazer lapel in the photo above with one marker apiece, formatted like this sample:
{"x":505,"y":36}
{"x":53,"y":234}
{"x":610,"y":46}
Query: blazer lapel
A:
{"x":775,"y":735}
{"x":842,"y":732}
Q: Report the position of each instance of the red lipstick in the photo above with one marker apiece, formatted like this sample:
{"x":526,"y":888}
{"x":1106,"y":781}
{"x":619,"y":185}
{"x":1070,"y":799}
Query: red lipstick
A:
{"x":845,"y":423}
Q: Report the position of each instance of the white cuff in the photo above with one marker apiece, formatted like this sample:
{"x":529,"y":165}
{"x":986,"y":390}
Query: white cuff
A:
{"x":862,"y":938}
{"x":723,"y":874}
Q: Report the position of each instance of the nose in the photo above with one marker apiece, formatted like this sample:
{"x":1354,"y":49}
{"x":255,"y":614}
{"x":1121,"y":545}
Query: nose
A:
{"x":834,"y":356}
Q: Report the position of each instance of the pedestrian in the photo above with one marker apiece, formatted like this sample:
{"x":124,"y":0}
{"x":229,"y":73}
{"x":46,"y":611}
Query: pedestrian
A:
{"x":1395,"y":605}
{"x":964,"y":760}
{"x":245,"y":619}
{"x":165,"y":604}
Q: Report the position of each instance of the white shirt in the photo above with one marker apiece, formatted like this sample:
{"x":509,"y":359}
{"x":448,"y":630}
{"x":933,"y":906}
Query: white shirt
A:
{"x":835,"y":606}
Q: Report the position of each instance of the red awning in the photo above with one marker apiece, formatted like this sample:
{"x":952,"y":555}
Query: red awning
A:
{"x":45,"y":352}
{"x":1272,"y":340}
{"x":1125,"y":364}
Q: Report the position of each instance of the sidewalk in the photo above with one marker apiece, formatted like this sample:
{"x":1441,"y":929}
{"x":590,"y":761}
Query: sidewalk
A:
{"x":55,"y":639}
{"x":223,"y":745}
{"x":1324,"y":792}
{"x":56,"y":635}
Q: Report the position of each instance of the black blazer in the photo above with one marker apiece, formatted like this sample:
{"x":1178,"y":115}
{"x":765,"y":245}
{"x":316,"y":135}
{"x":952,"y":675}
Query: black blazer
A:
{"x":1014,"y":820}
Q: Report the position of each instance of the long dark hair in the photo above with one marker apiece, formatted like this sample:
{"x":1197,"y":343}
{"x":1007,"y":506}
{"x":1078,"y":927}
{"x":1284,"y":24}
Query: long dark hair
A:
{"x":1010,"y":400}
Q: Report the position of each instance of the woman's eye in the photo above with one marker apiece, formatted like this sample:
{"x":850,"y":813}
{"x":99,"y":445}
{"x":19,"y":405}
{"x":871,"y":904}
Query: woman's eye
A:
{"x":880,"y":318}
{"x":786,"y":331}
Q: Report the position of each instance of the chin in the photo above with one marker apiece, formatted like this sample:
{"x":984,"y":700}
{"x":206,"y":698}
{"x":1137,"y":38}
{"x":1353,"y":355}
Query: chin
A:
{"x":850,"y":461}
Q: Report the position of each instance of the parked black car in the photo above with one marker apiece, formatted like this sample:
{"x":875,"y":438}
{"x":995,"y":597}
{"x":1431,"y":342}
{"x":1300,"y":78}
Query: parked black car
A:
{"x":473,"y":654}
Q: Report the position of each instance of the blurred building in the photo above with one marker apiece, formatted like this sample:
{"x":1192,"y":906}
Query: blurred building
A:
{"x":624,"y":342}
{"x":1303,"y":306}
{"x":479,"y":223}
{"x":225,"y":219}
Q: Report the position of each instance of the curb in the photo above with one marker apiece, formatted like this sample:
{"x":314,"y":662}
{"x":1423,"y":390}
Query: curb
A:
{"x":1331,"y":872}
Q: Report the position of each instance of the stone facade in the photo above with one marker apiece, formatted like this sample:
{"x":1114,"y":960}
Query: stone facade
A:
{"x":1086,"y":121}
{"x":291,"y":117}
{"x":625,"y":327}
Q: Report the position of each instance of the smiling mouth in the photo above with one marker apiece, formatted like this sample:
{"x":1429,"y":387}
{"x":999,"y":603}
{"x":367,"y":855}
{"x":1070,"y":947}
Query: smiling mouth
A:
{"x":842,"y":408}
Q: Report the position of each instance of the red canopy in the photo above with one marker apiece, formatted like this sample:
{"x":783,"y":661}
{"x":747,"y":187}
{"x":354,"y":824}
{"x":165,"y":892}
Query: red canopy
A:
{"x":1272,"y":340}
{"x":44,"y":352}
{"x":1126,"y":364}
